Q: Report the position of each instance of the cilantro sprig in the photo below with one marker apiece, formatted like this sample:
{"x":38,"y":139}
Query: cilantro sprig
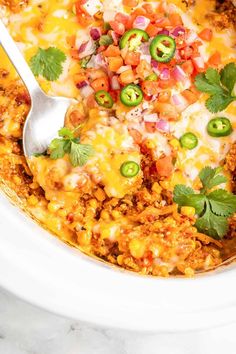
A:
{"x":48,"y":63}
{"x":219,"y":85}
{"x":212,"y":207}
{"x":67,"y":143}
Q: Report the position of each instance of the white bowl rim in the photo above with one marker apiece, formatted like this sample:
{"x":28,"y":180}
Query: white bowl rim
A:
{"x":42,"y":270}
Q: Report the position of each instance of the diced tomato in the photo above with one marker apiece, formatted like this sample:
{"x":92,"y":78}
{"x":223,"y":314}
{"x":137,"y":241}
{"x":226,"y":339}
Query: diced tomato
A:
{"x":164,"y":166}
{"x":150,"y":88}
{"x":163,"y":22}
{"x":118,"y":27}
{"x":144,"y":69}
{"x":148,"y":8}
{"x":101,"y":49}
{"x":164,"y":96}
{"x":83,"y":17}
{"x":150,"y":127}
{"x":130,"y":3}
{"x":136,"y":135}
{"x":115,"y":63}
{"x":112,"y":51}
{"x":122,"y":18}
{"x":215,"y":59}
{"x":152,"y":30}
{"x":180,"y":42}
{"x":79,"y":78}
{"x":91,"y":102}
{"x":206,"y":34}
{"x":188,"y":67}
{"x":100,"y":84}
{"x":74,"y":53}
{"x":199,"y":64}
{"x":175,"y":19}
{"x":115,"y":94}
{"x":132,"y":58}
{"x":71,"y":40}
{"x":186,"y":52}
{"x":165,"y":84}
{"x":190,"y":96}
{"x":166,"y":110}
{"x":127,"y":77}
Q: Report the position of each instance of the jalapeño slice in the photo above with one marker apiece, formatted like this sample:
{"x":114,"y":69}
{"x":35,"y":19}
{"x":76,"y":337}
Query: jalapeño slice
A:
{"x":104,"y":99}
{"x":189,"y":141}
{"x":162,"y":48}
{"x":133,"y":38}
{"x":129,"y":169}
{"x":219,"y":126}
{"x":131,"y":95}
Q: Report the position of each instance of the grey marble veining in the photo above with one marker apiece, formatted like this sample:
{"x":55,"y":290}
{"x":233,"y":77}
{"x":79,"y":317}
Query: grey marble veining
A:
{"x":25,"y":329}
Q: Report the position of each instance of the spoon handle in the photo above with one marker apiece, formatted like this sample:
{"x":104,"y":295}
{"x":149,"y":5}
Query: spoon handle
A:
{"x":18,"y":61}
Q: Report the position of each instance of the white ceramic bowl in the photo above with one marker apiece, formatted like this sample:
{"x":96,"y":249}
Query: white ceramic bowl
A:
{"x":39,"y":268}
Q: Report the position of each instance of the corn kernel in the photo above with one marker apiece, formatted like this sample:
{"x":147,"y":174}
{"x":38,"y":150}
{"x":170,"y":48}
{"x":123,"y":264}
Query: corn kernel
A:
{"x":175,"y":143}
{"x":120,"y":259}
{"x":4,"y":149}
{"x":100,"y":195}
{"x":115,"y":214}
{"x":62,"y":213}
{"x":93,"y":203}
{"x":156,"y":188}
{"x":188,"y":211}
{"x":53,"y":207}
{"x":32,"y":200}
{"x":165,"y":184}
{"x":17,"y":180}
{"x":84,"y":238}
{"x":105,"y":233}
{"x":150,"y":144}
{"x":105,"y":215}
{"x":137,"y":248}
{"x":14,"y":129}
{"x":189,"y":272}
{"x":34,"y":185}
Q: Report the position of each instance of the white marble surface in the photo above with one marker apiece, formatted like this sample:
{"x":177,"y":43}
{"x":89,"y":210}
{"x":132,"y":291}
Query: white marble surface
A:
{"x":25,"y":329}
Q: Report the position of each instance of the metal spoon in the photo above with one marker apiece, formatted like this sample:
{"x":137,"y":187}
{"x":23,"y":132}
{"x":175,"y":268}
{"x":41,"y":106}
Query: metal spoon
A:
{"x":47,"y":114}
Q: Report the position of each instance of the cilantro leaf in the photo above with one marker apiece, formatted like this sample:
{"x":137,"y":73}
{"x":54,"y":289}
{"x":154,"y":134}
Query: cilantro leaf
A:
{"x":213,"y":208}
{"x":210,"y":177}
{"x":69,"y":144}
{"x":80,"y":153}
{"x":228,"y":76}
{"x":65,"y":133}
{"x":219,"y":86}
{"x":48,"y":63}
{"x":213,"y":76}
{"x":56,"y":148}
{"x":218,"y":102}
{"x":181,"y":190}
{"x":204,"y":85}
{"x":211,"y":224}
{"x":222,"y":203}
{"x":184,"y":196}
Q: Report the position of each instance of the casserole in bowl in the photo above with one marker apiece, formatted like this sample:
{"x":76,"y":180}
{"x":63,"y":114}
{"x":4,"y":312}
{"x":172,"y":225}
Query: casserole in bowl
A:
{"x":142,"y":175}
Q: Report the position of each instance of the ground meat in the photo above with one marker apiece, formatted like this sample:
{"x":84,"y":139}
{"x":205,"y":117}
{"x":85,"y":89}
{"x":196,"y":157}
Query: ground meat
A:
{"x":224,"y":14}
{"x":231,"y":165}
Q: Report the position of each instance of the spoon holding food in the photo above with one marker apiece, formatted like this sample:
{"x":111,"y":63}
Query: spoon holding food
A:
{"x":47,"y":114}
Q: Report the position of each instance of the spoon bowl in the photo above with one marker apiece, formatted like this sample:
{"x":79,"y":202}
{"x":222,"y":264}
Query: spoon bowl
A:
{"x":47,"y":114}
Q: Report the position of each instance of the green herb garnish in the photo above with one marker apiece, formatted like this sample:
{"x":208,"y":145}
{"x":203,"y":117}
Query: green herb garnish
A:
{"x":69,"y":144}
{"x":48,"y":63}
{"x":212,"y":207}
{"x":105,"y":40}
{"x":219,"y":85}
{"x":84,"y":62}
